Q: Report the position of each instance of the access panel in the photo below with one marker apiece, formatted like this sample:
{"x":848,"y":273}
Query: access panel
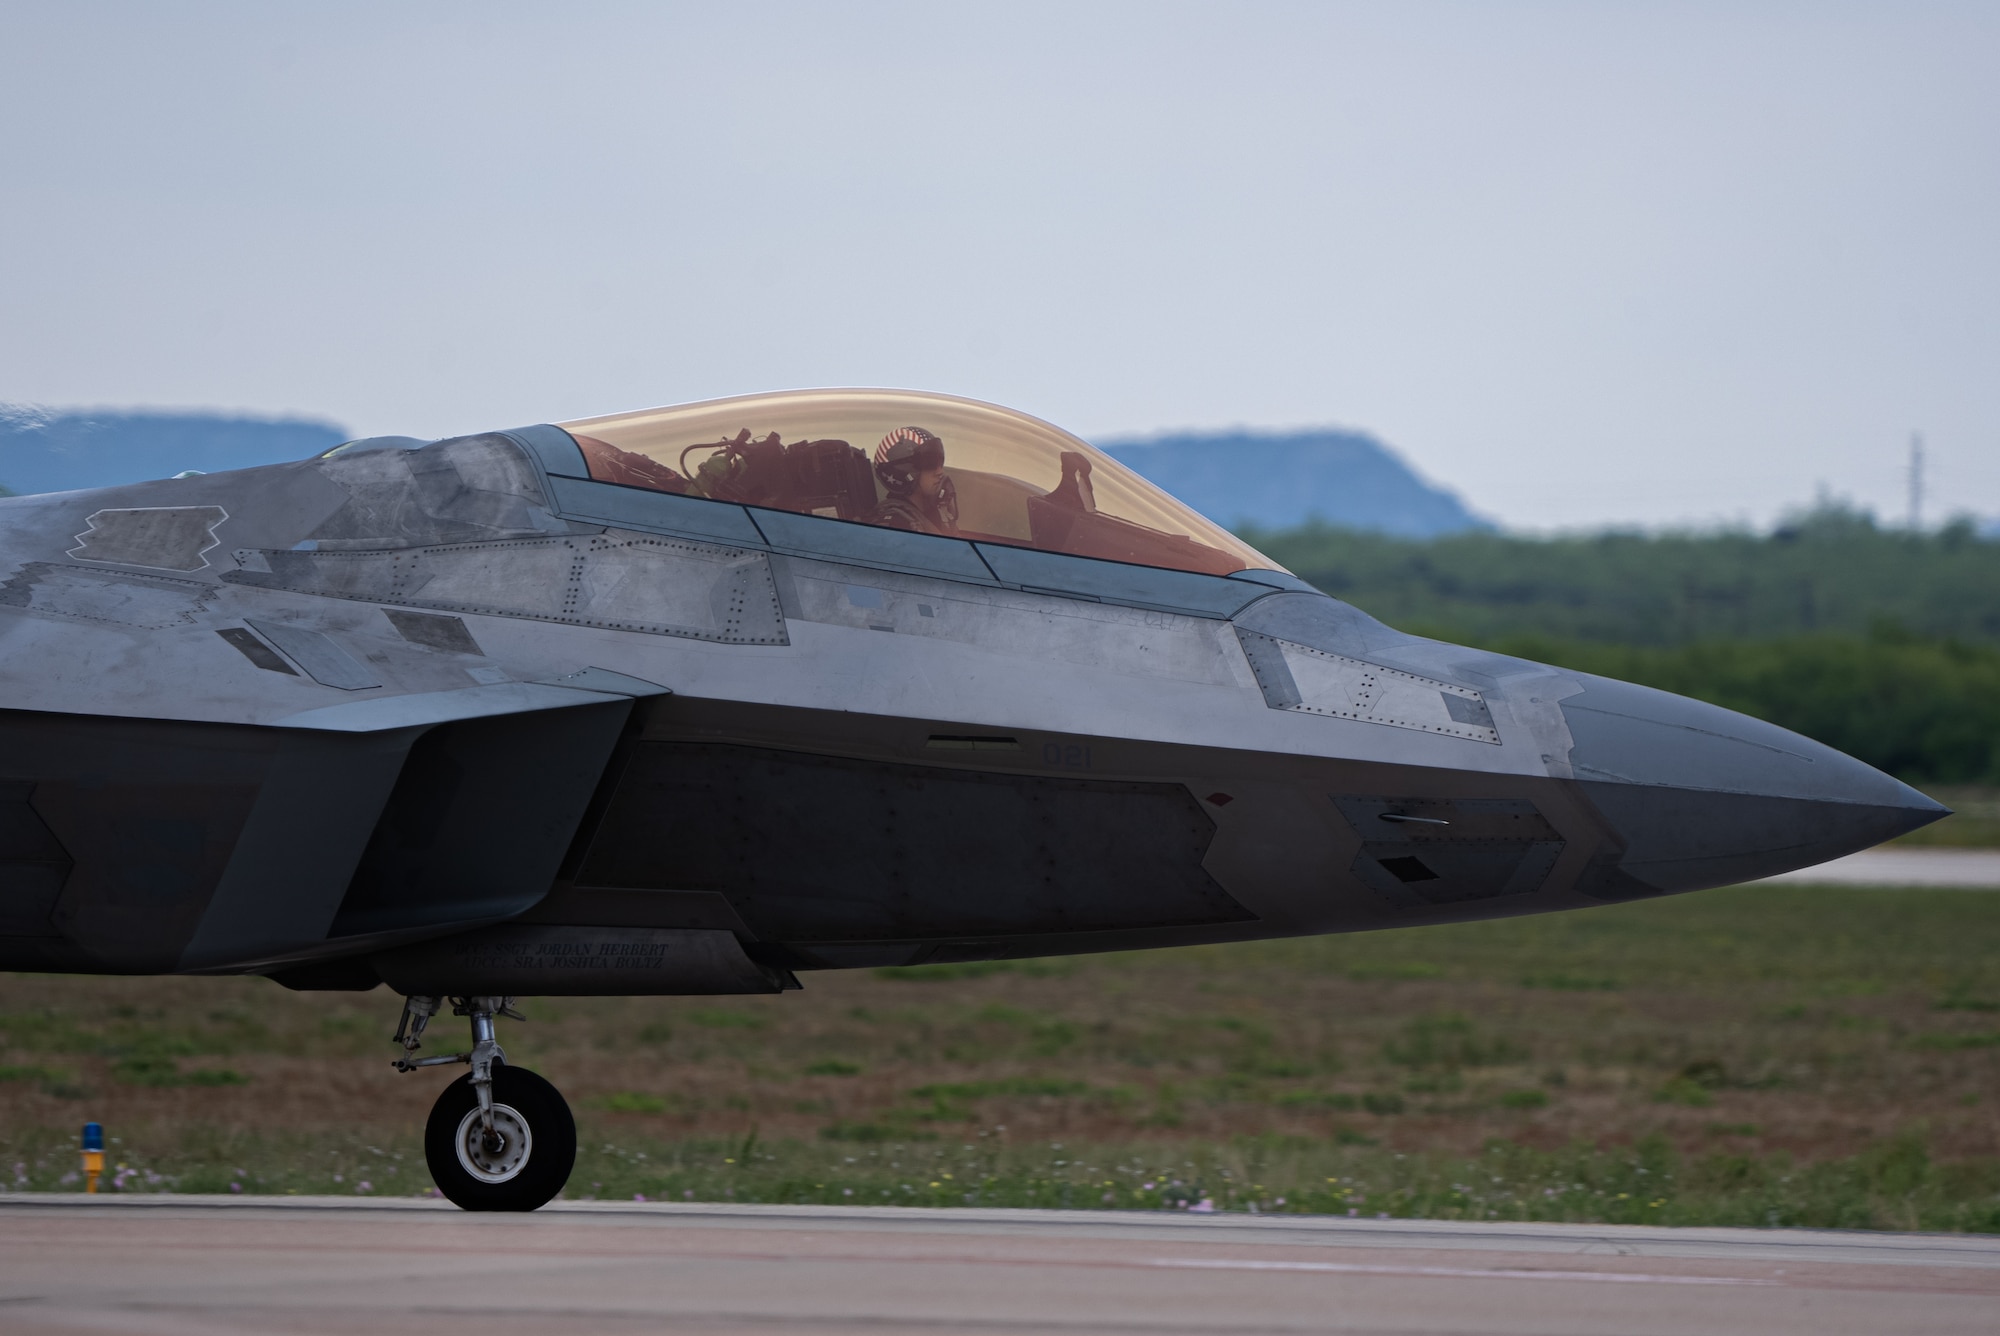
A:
{"x":822,"y":848}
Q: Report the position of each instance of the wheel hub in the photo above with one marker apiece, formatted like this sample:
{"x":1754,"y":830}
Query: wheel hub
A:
{"x":500,"y":1154}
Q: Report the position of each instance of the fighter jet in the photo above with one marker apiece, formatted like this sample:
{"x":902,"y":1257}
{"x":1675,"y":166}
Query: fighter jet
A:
{"x":700,"y":699}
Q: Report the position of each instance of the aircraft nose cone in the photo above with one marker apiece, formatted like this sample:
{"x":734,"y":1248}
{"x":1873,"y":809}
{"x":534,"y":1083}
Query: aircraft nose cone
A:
{"x":1703,"y":796}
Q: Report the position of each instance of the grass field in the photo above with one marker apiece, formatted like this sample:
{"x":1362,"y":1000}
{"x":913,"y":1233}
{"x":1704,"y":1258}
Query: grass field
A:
{"x":1771,"y":1055}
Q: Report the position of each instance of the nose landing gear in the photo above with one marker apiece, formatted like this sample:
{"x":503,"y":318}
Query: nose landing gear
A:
{"x":499,"y":1138}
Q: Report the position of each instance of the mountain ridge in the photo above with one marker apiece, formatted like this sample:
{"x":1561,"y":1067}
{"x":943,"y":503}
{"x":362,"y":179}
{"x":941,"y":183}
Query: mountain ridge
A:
{"x":1284,"y":479}
{"x":44,"y":450}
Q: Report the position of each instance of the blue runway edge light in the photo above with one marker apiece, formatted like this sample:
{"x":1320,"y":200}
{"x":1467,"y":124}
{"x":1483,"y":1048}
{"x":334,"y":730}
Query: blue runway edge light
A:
{"x":93,"y":1136}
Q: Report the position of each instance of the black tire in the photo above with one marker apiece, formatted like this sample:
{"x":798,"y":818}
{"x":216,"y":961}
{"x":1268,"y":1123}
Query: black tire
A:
{"x":527,"y":1170}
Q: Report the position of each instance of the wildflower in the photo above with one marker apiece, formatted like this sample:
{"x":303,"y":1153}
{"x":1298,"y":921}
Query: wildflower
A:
{"x":638,"y":1196}
{"x":688,"y":1195}
{"x":845,"y":1192}
{"x":364,"y":1186}
{"x":1353,"y":1211}
{"x":236,"y":1187}
{"x":1203,"y":1207}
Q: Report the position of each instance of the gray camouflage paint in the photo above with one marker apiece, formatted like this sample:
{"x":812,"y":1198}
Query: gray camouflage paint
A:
{"x":414,"y":712}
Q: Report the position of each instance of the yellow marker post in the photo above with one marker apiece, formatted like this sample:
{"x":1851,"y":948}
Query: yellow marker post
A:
{"x":93,"y":1155}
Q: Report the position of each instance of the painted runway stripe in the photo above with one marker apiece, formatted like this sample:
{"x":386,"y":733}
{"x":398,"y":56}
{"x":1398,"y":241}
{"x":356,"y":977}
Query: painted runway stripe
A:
{"x":1465,"y":1272}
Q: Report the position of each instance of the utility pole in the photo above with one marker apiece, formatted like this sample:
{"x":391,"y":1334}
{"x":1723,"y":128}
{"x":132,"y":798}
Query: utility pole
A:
{"x":1916,"y":482}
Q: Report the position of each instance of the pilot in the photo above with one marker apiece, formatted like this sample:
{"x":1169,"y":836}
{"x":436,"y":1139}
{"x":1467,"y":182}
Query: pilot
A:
{"x":910,"y":463}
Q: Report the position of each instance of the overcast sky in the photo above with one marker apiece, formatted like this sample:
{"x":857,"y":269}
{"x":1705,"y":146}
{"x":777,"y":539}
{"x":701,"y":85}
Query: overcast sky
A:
{"x":1586,"y":263}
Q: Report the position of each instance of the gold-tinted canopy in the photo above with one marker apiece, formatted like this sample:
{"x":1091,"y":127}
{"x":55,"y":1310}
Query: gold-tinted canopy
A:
{"x":871,"y":456}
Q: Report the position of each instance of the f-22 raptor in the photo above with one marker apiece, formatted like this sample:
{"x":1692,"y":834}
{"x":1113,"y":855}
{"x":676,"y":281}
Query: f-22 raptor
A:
{"x":700,"y":699}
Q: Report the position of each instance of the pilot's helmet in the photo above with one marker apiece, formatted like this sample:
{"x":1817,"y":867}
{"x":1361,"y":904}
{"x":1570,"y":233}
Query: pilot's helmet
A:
{"x":903,"y":454}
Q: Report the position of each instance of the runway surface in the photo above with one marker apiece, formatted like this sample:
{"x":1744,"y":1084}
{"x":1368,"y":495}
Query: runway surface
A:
{"x":1902,"y":865}
{"x":330,"y":1265}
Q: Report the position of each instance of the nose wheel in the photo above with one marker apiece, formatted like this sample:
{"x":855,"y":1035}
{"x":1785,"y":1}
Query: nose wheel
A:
{"x":519,"y":1162}
{"x":499,"y":1138}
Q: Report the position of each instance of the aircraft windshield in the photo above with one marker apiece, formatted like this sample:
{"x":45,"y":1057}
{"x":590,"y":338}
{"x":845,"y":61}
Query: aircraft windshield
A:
{"x":923,"y":462}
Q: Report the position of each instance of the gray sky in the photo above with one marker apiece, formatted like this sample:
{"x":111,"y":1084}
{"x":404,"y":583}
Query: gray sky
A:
{"x":1586,"y":263}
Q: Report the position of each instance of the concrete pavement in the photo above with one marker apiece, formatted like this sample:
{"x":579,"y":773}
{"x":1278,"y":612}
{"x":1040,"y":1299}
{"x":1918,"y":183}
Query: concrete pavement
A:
{"x":331,"y":1267}
{"x":1906,"y":865}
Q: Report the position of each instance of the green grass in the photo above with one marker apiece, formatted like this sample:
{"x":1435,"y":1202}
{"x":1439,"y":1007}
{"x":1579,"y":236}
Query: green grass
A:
{"x":833,"y":1067}
{"x":192,"y":1156}
{"x":1896,"y":1184}
{"x":1782,"y":1054}
{"x":1893,"y":1185}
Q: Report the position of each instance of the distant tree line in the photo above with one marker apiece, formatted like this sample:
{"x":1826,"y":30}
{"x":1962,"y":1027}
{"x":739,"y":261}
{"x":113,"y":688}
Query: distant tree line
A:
{"x":1925,"y":710}
{"x":1882,"y":643}
{"x":1833,"y":570}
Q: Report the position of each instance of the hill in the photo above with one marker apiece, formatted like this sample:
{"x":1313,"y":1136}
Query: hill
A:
{"x":59,"y":452}
{"x":1280,"y":480}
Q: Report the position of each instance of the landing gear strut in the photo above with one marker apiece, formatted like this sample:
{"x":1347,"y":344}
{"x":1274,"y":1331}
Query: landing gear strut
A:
{"x":499,"y":1138}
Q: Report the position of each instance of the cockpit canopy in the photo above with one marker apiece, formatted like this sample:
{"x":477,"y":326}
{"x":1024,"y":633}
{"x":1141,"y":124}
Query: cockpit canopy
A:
{"x":873,"y":457}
